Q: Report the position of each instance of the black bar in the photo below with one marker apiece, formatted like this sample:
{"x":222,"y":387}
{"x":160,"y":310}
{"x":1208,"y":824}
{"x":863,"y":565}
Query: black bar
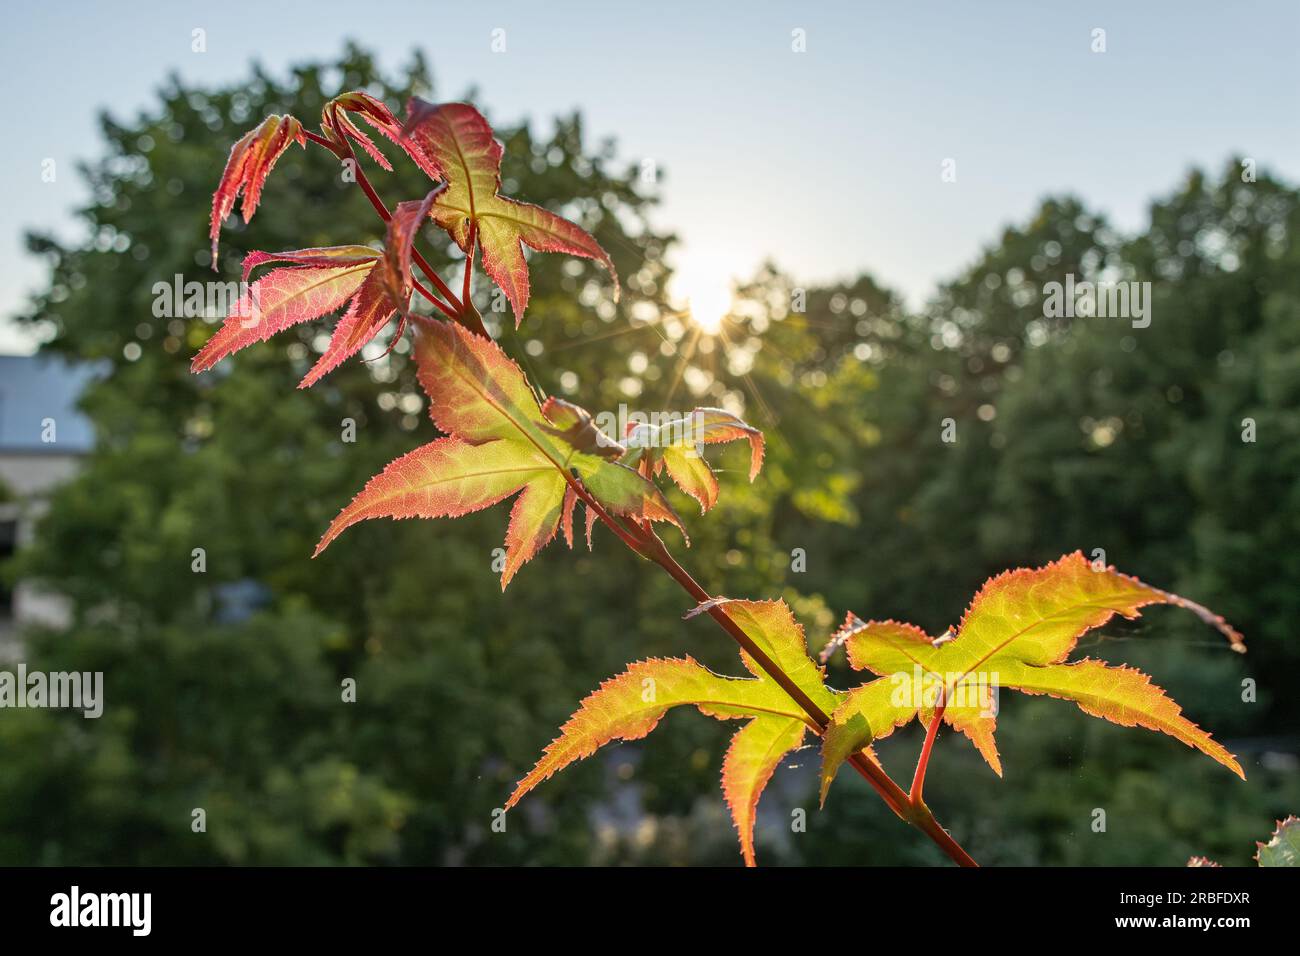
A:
{"x":506,"y":906}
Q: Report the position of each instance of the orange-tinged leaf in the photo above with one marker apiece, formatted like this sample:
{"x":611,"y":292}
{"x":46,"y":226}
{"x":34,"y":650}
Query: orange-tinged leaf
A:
{"x":497,"y":445}
{"x":1016,"y":634}
{"x":505,"y":226}
{"x":977,"y":719}
{"x":338,"y":127}
{"x":324,"y":257}
{"x":756,"y":750}
{"x":1040,"y":614}
{"x":716,"y":425}
{"x":630,"y":705}
{"x":534,"y":520}
{"x":370,"y":311}
{"x":458,"y":140}
{"x":251,"y":159}
{"x":386,"y":291}
{"x":566,"y":517}
{"x":692,"y":473}
{"x":281,"y":298}
{"x":443,"y":479}
{"x":1122,"y":695}
{"x":590,"y":525}
{"x":476,"y":392}
{"x":884,"y":646}
{"x":895,"y":648}
{"x":869,"y":712}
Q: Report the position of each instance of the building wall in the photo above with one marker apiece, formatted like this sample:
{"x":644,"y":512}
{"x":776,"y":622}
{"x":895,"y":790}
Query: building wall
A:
{"x":28,"y":479}
{"x":43,"y":437}
{"x":32,"y":474}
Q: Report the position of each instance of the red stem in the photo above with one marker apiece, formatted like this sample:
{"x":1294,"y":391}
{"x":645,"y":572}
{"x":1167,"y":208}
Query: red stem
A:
{"x":321,"y":141}
{"x":469,"y":265}
{"x":923,"y":762}
{"x":432,"y":298}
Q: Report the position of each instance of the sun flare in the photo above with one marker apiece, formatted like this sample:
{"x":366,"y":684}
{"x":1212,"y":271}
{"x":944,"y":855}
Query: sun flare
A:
{"x":701,"y":288}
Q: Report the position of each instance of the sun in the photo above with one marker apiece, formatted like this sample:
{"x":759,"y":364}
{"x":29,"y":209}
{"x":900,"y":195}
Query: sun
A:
{"x":701,"y":288}
{"x":706,"y":307}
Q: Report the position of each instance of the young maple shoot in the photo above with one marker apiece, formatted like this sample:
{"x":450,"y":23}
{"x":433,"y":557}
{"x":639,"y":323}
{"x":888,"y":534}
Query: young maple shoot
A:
{"x":500,"y":442}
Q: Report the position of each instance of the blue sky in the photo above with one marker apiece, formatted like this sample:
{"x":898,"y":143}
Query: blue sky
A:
{"x":827,"y":161}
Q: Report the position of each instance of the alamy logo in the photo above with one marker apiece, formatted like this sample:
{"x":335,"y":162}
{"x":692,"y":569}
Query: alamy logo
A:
{"x":1102,"y":300}
{"x":966,"y":690}
{"x":58,"y":690}
{"x":75,"y":908}
{"x":179,"y":299}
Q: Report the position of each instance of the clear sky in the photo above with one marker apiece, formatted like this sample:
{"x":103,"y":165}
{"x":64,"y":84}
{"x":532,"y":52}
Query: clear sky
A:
{"x":827,"y":161}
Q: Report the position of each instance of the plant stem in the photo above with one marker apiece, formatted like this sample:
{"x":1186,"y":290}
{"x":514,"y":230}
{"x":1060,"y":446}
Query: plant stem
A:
{"x":430,"y":297}
{"x":469,"y":266}
{"x":923,"y":762}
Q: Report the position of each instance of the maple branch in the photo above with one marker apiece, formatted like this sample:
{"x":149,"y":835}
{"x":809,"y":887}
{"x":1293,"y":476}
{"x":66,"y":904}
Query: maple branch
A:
{"x":927,"y":824}
{"x":640,"y":537}
{"x":923,"y":762}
